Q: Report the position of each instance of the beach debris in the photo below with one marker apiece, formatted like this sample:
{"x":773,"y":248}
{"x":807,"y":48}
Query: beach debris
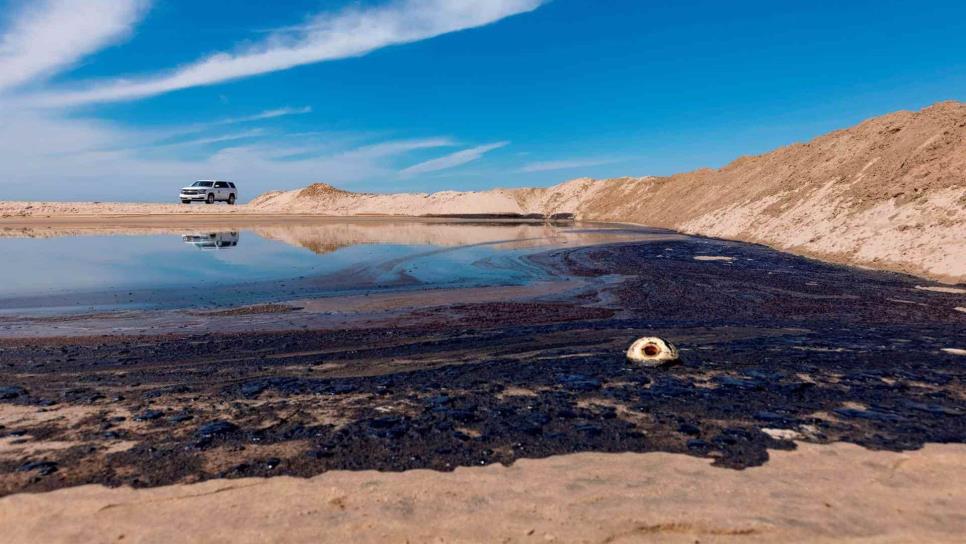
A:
{"x":955,"y":351}
{"x":782,"y":434}
{"x":652,"y":351}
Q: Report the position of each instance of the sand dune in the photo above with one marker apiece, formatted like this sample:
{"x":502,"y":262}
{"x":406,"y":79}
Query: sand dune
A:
{"x":888,"y":193}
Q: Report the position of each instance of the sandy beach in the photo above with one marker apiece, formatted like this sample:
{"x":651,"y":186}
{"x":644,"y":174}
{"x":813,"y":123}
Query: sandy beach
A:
{"x":813,"y":402}
{"x":367,"y":416}
{"x":482,"y":271}
{"x":835,"y":493}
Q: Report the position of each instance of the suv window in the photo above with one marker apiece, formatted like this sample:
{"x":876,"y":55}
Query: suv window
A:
{"x":232,"y":185}
{"x":201,"y":184}
{"x":221,"y":185}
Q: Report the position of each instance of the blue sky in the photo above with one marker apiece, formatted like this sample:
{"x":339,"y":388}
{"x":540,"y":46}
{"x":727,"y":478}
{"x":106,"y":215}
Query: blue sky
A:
{"x":130,"y":99}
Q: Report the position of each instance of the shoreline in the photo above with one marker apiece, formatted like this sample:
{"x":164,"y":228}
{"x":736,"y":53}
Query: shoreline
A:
{"x":239,"y":217}
{"x":232,"y":216}
{"x":364,"y":428}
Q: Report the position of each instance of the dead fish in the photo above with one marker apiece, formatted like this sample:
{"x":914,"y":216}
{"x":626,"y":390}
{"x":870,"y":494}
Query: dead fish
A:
{"x":652,"y":351}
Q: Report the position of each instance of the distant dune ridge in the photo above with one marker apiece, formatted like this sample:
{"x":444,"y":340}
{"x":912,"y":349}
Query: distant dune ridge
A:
{"x":888,"y":193}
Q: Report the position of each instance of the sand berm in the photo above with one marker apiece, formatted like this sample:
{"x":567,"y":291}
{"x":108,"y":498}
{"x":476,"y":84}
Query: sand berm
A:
{"x":889,"y":193}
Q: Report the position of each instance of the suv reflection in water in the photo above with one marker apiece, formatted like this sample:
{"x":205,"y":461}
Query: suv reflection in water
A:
{"x":214,"y":240}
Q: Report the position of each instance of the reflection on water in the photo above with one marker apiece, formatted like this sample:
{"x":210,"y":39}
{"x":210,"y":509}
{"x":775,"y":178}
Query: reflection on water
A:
{"x":80,"y":269}
{"x":212,"y":240}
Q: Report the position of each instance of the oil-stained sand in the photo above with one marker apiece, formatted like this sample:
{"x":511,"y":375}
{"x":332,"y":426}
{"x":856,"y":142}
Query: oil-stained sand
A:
{"x":774,"y":348}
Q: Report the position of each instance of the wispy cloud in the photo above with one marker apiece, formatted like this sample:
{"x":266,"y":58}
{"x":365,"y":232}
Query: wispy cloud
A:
{"x":169,"y":136}
{"x":268,"y":114}
{"x":397,"y":147}
{"x":48,"y":36}
{"x":544,"y":166}
{"x":451,"y":160}
{"x":349,"y":33}
{"x":215,"y":139}
{"x":47,"y":156}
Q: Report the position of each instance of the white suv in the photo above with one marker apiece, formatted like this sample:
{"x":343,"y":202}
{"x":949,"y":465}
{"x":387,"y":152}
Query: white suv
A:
{"x":214,"y":240}
{"x":209,"y":191}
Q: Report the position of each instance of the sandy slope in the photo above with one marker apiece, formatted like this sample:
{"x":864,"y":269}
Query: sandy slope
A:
{"x":840,"y":493}
{"x":888,"y":193}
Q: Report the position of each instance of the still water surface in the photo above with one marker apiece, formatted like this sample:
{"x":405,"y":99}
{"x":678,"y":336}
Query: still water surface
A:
{"x":83,"y":270}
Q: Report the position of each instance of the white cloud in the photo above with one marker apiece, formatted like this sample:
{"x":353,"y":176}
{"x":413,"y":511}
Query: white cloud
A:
{"x":269,"y":114}
{"x":401,"y":146}
{"x":50,"y":35}
{"x":215,"y":139}
{"x":44,"y":155}
{"x":544,"y":166}
{"x":166,"y":136}
{"x":451,"y":160}
{"x":350,"y":33}
{"x":349,"y":149}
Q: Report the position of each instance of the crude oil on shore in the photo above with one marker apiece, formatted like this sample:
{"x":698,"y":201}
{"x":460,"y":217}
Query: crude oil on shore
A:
{"x":174,"y":357}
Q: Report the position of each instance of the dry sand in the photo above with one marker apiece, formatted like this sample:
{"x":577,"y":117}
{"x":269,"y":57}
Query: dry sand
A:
{"x":840,"y":493}
{"x":888,"y":193}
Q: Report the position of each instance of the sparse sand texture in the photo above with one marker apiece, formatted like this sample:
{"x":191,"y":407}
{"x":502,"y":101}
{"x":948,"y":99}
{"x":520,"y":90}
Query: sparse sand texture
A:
{"x":840,"y":493}
{"x":889,"y":193}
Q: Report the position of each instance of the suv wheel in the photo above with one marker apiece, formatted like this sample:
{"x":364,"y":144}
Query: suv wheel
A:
{"x":210,"y":199}
{"x":231,"y":199}
{"x":186,"y":202}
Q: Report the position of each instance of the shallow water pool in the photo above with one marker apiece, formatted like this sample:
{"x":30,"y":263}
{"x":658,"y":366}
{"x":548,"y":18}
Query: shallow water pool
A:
{"x":63,"y":270}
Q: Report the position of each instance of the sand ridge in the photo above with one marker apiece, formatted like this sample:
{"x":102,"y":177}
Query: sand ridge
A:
{"x":888,"y":193}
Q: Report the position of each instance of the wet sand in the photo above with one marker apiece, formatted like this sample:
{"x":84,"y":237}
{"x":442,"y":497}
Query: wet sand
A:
{"x":777,"y":350}
{"x":385,"y":309}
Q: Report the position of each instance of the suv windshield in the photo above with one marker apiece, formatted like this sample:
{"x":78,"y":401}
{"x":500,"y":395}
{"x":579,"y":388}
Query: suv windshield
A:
{"x":201,"y":184}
